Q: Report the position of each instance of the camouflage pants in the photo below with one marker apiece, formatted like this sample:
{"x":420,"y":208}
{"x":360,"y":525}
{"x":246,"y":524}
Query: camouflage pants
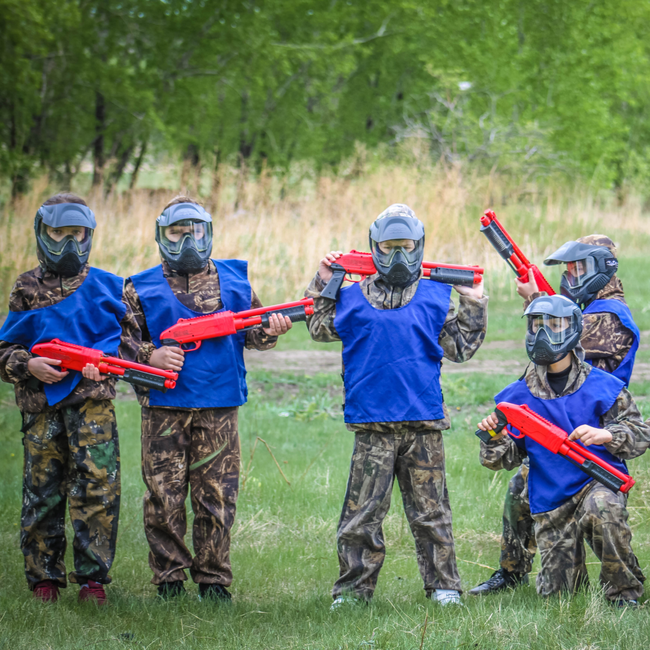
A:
{"x":182,"y":449}
{"x":418,"y":463}
{"x":518,"y":545}
{"x":598,"y":516}
{"x":70,"y":453}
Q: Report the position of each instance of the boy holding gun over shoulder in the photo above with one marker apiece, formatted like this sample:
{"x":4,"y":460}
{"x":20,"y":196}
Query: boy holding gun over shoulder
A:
{"x":567,"y":505}
{"x":70,"y":434}
{"x":396,"y":327}
{"x":609,"y":341}
{"x":189,"y":435}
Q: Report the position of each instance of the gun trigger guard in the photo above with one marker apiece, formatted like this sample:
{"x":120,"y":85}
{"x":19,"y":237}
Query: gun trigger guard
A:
{"x":197,"y":345}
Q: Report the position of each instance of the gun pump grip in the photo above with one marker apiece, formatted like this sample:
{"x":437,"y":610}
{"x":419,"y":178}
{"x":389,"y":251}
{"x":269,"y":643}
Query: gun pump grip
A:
{"x":463,"y":277}
{"x":331,"y":289}
{"x":295,"y":314}
{"x":144,"y":379}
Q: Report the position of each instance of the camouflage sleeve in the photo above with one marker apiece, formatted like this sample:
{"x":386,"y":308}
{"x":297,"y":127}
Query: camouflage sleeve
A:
{"x":534,"y":296}
{"x":131,"y":340}
{"x":501,"y":454}
{"x":132,"y":300}
{"x":321,"y":323}
{"x":630,"y":434}
{"x":13,"y":363}
{"x":605,"y":337}
{"x":463,"y":332}
{"x":257,"y":338}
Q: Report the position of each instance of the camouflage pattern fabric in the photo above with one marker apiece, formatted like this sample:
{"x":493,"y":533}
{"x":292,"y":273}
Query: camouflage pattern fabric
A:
{"x":599,"y":240}
{"x":200,"y":292}
{"x":418,"y":462}
{"x":599,"y":517}
{"x":198,"y":449}
{"x":518,"y":544}
{"x":460,"y":338}
{"x":36,"y":289}
{"x":70,"y":453}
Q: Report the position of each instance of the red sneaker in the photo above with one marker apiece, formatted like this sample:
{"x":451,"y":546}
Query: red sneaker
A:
{"x":92,"y":592}
{"x":47,"y":591}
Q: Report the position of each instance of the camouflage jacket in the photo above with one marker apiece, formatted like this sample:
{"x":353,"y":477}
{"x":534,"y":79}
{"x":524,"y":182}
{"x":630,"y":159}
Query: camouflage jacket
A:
{"x":36,"y":289}
{"x":604,"y":338}
{"x":630,"y":435}
{"x":461,"y":336}
{"x":199,"y":292}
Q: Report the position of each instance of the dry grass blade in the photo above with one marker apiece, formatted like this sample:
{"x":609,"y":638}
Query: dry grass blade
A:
{"x":250,"y":462}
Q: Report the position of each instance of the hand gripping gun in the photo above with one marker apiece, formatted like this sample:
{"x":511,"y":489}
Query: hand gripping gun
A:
{"x":225,"y":323}
{"x":556,"y":440}
{"x":358,"y":263}
{"x":506,"y":247}
{"x":75,"y":357}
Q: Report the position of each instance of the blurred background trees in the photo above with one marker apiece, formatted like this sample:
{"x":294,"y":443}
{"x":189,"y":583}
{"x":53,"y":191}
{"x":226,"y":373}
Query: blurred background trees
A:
{"x":517,"y":86}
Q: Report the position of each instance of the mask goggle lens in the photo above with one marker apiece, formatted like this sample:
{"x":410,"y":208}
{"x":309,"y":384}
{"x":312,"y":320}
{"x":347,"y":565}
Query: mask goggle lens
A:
{"x":56,"y":239}
{"x":386,"y":251}
{"x":558,"y":328}
{"x":578,"y":272}
{"x":174,"y":235}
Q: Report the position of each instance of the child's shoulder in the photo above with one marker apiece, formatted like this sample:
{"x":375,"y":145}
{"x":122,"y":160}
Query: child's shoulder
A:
{"x":25,"y":290}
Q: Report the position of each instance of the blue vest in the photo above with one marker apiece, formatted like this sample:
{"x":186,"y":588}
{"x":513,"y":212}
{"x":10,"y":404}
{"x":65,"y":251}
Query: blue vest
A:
{"x":624,"y":370}
{"x":214,"y":376}
{"x":90,"y":316}
{"x":554,"y":479}
{"x":392,"y":356}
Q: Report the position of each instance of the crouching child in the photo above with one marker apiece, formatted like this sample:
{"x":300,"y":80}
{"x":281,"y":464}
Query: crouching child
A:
{"x":567,"y":506}
{"x":70,"y":434}
{"x":396,"y":327}
{"x":189,"y":435}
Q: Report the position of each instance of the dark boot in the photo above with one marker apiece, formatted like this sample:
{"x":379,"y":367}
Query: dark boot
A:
{"x":499,"y":581}
{"x":215,"y":593}
{"x":174,"y":589}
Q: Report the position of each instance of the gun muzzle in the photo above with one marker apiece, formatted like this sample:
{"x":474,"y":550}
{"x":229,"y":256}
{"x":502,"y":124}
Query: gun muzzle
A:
{"x":497,"y":238}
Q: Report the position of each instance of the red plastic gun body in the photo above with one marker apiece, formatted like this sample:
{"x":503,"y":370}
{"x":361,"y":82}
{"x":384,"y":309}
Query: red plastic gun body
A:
{"x":511,"y":253}
{"x":76,"y":357}
{"x":225,"y":323}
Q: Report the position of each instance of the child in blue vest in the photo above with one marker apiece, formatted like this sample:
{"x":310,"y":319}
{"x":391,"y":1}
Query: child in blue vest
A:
{"x":70,"y":435}
{"x":189,"y":434}
{"x":610,"y":339}
{"x":568,"y":506}
{"x":396,"y":327}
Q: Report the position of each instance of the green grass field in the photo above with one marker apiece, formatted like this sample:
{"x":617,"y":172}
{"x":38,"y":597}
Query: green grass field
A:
{"x":284,"y":556}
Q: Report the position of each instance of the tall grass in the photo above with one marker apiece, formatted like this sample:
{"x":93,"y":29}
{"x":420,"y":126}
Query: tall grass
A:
{"x":284,"y":225}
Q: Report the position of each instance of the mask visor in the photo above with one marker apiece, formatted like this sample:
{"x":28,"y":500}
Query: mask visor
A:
{"x":57,"y":239}
{"x":173,"y":236}
{"x":386,"y":258}
{"x":579,"y":272}
{"x":557,"y":328}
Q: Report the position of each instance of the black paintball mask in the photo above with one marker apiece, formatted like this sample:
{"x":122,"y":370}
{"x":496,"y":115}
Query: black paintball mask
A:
{"x":399,"y":264}
{"x":589,"y":269}
{"x":64,"y":237}
{"x":554,"y":329}
{"x":184,"y":236}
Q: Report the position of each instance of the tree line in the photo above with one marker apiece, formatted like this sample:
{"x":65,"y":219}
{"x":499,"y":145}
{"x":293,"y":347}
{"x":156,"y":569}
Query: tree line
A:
{"x":542,"y":83}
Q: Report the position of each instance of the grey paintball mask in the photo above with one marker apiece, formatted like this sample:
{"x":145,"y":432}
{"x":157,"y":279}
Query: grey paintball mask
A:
{"x":554,"y":329}
{"x":184,"y":236}
{"x":64,"y":237}
{"x":589,"y":269}
{"x":398,"y":266}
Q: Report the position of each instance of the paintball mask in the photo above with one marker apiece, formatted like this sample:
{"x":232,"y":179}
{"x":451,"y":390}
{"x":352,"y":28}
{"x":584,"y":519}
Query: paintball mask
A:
{"x":589,"y":268}
{"x":64,"y":237}
{"x":397,"y":245}
{"x":184,"y":236}
{"x":554,"y":329}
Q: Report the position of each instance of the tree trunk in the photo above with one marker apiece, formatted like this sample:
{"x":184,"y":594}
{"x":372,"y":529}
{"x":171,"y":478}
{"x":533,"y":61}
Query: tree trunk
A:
{"x":98,"y":145}
{"x":138,"y":163}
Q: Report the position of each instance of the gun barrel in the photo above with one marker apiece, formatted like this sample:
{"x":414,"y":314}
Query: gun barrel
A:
{"x":305,"y":302}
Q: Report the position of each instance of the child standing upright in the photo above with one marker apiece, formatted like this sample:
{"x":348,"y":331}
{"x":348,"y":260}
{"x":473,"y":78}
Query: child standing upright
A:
{"x":189,"y":435}
{"x":396,"y":327}
{"x":70,"y":434}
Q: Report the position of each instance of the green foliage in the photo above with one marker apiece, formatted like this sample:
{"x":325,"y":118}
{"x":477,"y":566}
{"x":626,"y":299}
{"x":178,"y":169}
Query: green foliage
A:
{"x":520,"y":86}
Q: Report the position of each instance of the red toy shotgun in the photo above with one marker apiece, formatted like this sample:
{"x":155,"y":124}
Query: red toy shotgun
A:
{"x":506,"y":247}
{"x":225,"y":323}
{"x":556,"y":440}
{"x":358,"y":263}
{"x":75,"y":357}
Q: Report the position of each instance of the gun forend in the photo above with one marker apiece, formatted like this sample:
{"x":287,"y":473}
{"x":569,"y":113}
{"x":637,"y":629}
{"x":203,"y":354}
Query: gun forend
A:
{"x":295,"y":314}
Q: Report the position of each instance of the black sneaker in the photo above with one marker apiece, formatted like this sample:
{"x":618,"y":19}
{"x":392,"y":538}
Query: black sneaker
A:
{"x":622,"y":604}
{"x":215,"y":593}
{"x":499,"y":581}
{"x":167,"y":590}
